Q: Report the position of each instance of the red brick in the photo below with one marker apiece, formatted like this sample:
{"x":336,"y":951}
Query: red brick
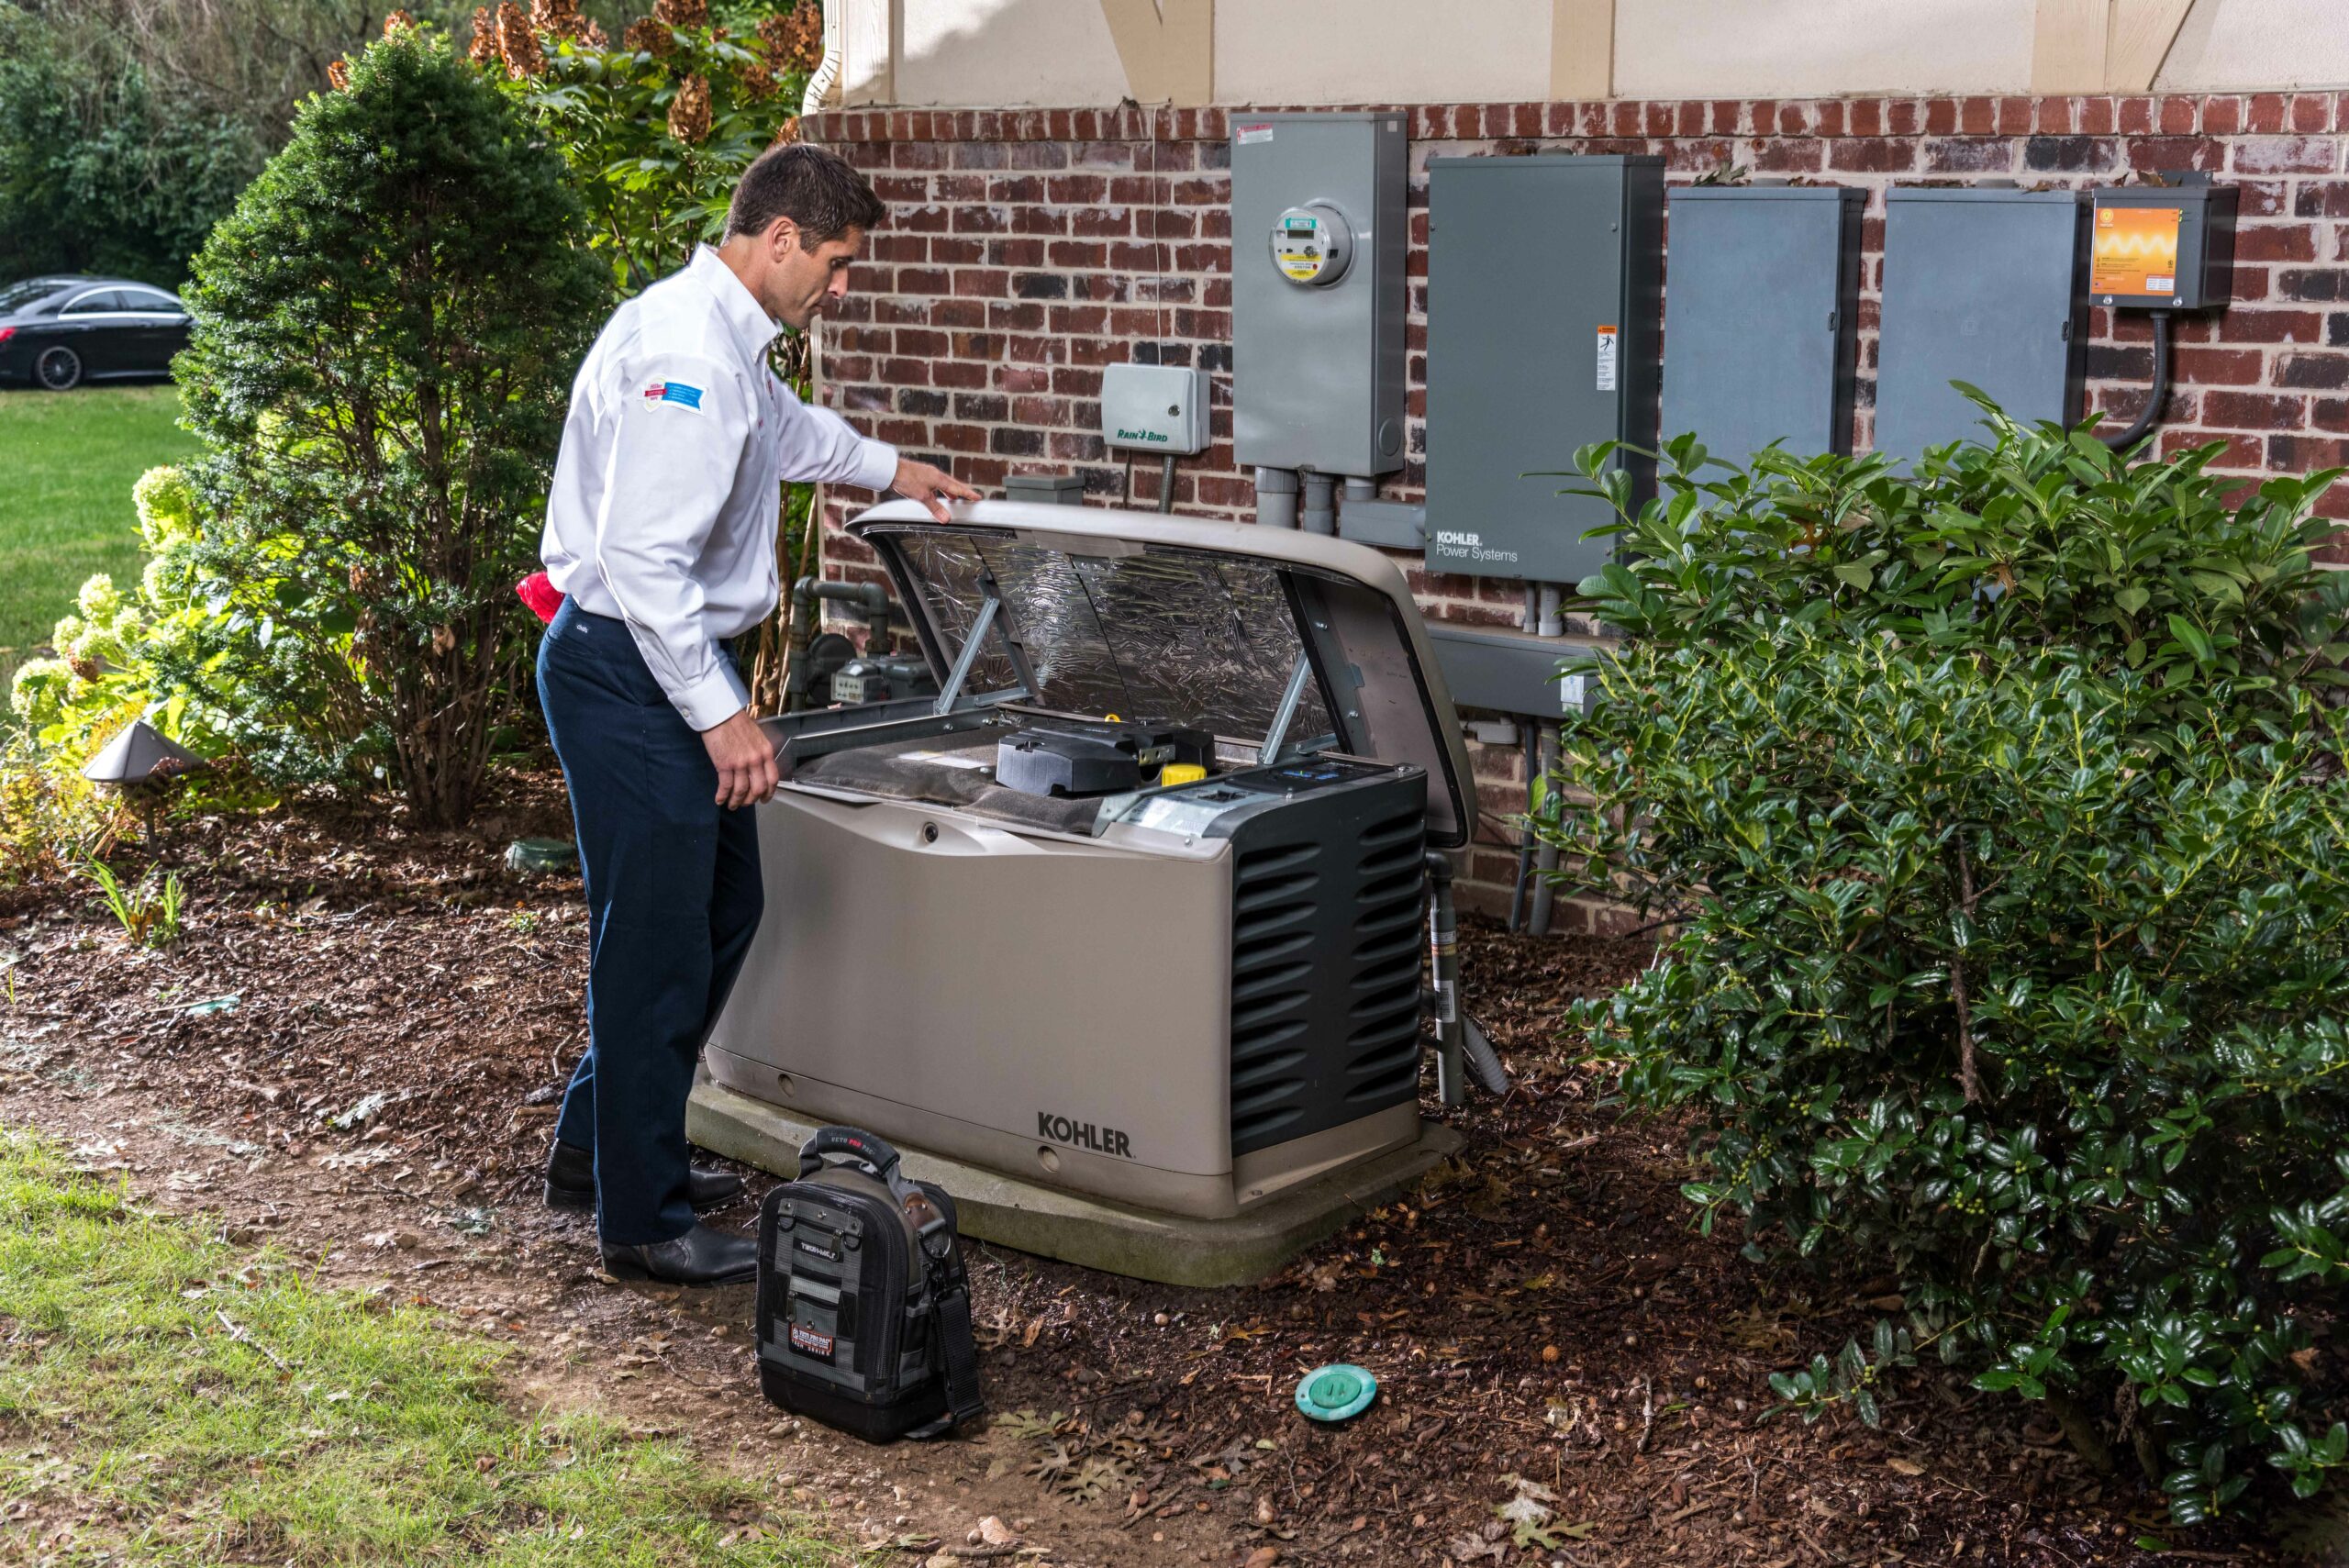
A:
{"x":2267,"y":114}
{"x":2222,"y":115}
{"x":2312,"y":111}
{"x":2252,"y":411}
{"x":2178,"y":114}
{"x":1883,"y":156}
{"x":982,"y":283}
{"x":2287,"y":155}
{"x":1793,"y":157}
{"x":2014,"y":117}
{"x":1978,"y":116}
{"x":2275,"y":242}
{"x":2219,"y":367}
{"x":2135,"y":116}
{"x":1940,"y":117}
{"x":2237,"y":451}
{"x":2165,"y":153}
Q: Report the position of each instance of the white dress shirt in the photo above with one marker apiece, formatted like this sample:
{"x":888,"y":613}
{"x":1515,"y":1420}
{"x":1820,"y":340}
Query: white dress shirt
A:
{"x":668,"y":487}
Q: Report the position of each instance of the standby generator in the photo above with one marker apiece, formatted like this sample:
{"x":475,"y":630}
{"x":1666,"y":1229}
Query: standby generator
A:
{"x":1136,"y":904}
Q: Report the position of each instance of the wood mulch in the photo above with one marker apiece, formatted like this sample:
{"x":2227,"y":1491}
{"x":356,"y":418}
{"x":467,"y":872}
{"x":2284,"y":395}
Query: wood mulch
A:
{"x":356,"y":1049}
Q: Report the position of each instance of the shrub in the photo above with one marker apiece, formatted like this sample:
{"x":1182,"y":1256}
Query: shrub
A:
{"x":386,"y":330}
{"x":658,"y":125}
{"x":2002,"y":822}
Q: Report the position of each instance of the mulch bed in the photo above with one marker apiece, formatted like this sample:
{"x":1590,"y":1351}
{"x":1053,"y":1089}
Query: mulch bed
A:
{"x":374,"y":1024}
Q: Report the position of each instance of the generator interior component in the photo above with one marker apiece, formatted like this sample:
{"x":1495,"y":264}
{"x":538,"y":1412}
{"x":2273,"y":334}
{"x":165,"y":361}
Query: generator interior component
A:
{"x":1545,"y":292}
{"x":1186,"y":997}
{"x":1157,"y":409}
{"x":1069,"y":758}
{"x":1761,"y":320}
{"x":815,"y":656}
{"x":1317,"y":291}
{"x":2167,"y":247}
{"x":1984,"y":287}
{"x":866,"y":679}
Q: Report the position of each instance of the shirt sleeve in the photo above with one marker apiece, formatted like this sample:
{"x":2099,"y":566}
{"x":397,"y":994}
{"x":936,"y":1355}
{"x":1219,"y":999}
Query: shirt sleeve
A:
{"x":821,"y":448}
{"x":674,"y":436}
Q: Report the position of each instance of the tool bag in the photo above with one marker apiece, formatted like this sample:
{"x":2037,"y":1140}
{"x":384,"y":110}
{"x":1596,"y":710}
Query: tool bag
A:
{"x":864,"y":1309}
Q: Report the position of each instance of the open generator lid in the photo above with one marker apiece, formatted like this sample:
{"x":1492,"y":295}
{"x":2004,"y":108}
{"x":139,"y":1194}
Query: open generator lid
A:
{"x":1243,"y":631}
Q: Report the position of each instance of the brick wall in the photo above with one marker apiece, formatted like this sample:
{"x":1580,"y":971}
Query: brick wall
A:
{"x":1028,"y":249}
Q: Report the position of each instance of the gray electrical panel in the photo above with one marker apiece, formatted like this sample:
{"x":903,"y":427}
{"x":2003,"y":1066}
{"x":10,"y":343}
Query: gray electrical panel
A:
{"x":1544,"y":303}
{"x":1318,"y":240}
{"x":1761,"y":317}
{"x":1982,"y":286}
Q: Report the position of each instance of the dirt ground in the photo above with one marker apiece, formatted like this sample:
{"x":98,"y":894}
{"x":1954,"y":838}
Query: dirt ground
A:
{"x":355,"y":1052}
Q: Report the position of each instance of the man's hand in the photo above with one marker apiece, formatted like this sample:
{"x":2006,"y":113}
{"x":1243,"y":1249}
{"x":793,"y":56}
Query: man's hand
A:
{"x":745,"y":759}
{"x":930,"y":486}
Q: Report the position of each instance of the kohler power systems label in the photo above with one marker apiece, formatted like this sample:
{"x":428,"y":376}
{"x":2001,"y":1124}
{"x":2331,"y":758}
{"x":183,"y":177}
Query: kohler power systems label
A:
{"x":1607,"y":338}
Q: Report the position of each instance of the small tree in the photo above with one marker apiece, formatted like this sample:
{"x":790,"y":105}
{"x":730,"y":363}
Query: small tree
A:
{"x":386,"y":330}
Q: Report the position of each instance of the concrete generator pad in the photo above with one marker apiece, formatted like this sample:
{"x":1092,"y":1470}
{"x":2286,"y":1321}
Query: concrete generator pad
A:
{"x":1139,"y":1243}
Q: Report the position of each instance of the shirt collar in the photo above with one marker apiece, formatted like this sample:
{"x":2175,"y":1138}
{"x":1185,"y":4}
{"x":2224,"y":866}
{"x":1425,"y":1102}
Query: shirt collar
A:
{"x":752,"y":327}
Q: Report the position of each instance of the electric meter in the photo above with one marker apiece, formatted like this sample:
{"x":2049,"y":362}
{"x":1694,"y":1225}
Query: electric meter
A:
{"x":1312,"y":244}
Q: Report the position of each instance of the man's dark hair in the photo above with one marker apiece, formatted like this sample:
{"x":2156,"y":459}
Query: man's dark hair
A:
{"x":813,"y":186}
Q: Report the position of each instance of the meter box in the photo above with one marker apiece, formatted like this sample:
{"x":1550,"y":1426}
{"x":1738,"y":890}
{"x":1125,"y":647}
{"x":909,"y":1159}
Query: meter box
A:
{"x":2163,"y":247}
{"x":1760,"y":320}
{"x":1316,"y":291}
{"x":1544,"y":305}
{"x":1982,"y":287}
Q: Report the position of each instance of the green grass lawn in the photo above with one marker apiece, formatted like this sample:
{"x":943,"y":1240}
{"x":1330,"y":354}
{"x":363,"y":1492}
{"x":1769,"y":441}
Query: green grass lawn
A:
{"x":169,"y":1399}
{"x":67,"y":462}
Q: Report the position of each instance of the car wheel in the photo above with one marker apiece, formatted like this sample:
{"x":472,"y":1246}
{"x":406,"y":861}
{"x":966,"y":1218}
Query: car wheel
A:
{"x":59,"y":369}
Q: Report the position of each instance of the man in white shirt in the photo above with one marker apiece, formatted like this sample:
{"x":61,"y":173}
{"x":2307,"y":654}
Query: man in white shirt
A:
{"x":660,"y":530}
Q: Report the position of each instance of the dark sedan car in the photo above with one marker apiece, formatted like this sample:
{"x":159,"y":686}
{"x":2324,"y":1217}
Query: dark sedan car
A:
{"x":59,"y":332}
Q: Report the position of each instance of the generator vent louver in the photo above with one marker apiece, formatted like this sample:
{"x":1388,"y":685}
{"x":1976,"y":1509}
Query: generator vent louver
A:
{"x":1325,"y":973}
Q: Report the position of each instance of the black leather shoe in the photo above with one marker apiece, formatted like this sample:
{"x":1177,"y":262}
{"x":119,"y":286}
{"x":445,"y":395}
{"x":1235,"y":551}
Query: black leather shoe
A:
{"x":701,"y":1256}
{"x":570,"y":1182}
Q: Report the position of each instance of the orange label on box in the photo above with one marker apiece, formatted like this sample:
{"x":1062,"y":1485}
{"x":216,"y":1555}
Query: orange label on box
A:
{"x":2136,"y":250}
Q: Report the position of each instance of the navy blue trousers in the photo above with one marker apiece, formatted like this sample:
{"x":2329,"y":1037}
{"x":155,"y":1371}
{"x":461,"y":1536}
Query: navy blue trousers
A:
{"x":673,"y":896}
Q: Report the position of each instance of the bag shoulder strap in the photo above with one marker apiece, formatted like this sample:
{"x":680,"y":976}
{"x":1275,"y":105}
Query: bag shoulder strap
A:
{"x":950,"y":1296}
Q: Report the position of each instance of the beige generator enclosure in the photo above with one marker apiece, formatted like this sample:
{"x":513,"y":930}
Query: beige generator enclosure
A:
{"x":1135,"y":906}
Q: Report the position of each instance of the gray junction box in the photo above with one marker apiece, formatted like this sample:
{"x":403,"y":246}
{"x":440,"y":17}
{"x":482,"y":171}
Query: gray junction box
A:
{"x":1544,"y":305}
{"x":1762,"y":317}
{"x":1982,"y":287}
{"x":1318,"y":241}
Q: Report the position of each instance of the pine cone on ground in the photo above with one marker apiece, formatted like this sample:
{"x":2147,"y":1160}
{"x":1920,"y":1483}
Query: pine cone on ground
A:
{"x":517,"y":46}
{"x":689,"y":110}
{"x":484,"y":47}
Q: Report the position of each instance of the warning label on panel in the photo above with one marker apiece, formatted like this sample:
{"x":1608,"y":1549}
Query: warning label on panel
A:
{"x":1248,"y":134}
{"x":1607,"y":340}
{"x":2136,"y":250}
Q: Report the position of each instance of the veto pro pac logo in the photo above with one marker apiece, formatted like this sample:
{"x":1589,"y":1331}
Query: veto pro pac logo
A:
{"x":1082,"y":1135}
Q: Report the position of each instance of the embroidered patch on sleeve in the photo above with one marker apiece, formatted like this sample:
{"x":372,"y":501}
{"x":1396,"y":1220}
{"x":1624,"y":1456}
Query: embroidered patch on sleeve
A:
{"x":676,"y":392}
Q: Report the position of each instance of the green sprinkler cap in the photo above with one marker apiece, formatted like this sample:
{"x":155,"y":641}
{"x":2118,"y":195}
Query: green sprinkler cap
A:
{"x":1335,"y":1392}
{"x":542,"y":854}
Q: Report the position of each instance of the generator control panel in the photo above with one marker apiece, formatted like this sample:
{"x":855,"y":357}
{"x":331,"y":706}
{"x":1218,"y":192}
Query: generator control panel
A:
{"x":2163,"y":247}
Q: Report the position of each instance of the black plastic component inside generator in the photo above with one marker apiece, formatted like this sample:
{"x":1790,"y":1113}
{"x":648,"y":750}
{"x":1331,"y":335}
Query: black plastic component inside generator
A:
{"x":1074,"y":758}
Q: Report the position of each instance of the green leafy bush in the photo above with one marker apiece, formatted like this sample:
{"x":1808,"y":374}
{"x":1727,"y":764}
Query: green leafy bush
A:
{"x":657,"y":125}
{"x":386,"y":330}
{"x":2002,"y":821}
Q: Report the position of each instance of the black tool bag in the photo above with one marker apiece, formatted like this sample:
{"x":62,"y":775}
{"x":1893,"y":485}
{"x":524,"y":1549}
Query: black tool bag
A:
{"x":864,"y":1309}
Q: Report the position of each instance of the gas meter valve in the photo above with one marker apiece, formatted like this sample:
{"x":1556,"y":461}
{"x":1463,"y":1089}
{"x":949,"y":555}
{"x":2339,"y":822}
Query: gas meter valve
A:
{"x":1312,"y":244}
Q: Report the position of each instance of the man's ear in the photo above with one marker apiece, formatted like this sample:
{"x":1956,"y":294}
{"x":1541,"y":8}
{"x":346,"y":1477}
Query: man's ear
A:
{"x":783,"y":238}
